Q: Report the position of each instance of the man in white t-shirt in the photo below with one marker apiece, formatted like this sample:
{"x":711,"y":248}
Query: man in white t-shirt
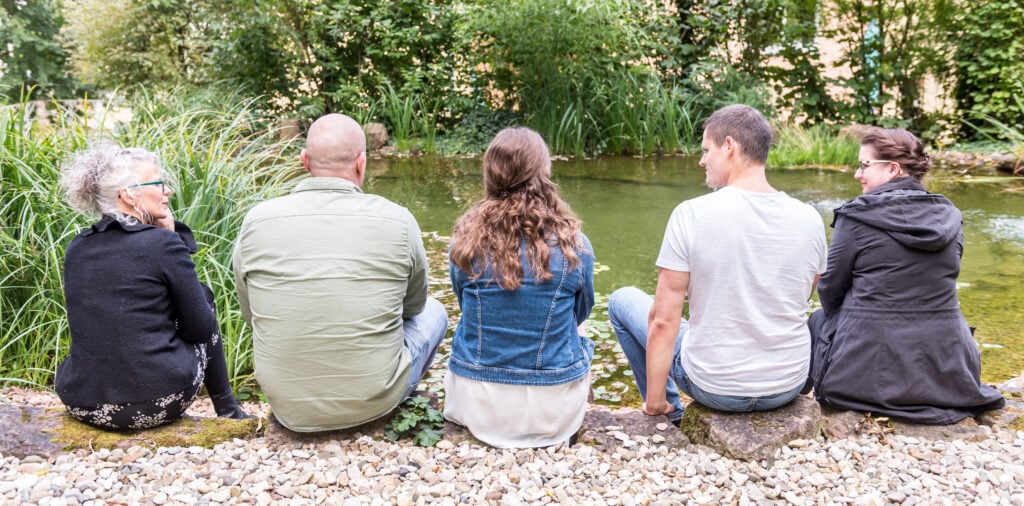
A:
{"x":747,"y":257}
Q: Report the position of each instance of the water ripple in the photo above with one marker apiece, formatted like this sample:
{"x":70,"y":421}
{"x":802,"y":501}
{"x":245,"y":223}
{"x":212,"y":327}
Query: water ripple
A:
{"x":1006,"y":228}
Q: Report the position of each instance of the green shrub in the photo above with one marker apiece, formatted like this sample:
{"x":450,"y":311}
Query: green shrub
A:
{"x":476,"y":129}
{"x":990,"y":63}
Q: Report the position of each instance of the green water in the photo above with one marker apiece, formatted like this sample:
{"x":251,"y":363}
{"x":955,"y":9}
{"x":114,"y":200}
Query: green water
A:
{"x":625,"y":204}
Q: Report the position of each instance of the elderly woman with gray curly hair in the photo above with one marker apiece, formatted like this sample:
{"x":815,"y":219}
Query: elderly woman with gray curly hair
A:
{"x":144,"y":333}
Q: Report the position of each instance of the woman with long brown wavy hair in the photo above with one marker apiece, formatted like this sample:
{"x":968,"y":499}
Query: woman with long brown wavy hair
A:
{"x":523,"y":273}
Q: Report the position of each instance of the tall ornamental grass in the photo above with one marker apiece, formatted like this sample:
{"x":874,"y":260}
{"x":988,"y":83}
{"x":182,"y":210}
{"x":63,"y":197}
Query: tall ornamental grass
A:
{"x":815,"y":146}
{"x":631,"y":113}
{"x":221,"y":159}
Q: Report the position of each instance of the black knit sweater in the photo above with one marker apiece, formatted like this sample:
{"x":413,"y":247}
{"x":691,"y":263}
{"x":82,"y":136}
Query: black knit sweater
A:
{"x":136,"y":309}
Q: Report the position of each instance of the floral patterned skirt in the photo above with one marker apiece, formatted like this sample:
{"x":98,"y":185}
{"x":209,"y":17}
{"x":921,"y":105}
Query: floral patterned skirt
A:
{"x":146,"y":414}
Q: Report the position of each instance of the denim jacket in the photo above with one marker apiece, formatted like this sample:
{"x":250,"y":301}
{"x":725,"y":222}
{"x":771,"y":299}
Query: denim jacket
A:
{"x":526,"y":336}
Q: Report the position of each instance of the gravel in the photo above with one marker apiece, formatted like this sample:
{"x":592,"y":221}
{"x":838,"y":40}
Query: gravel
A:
{"x":361,"y":470}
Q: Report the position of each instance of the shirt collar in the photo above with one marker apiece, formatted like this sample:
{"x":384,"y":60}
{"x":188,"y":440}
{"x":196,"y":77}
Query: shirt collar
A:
{"x":327,"y":183}
{"x":108,"y":222}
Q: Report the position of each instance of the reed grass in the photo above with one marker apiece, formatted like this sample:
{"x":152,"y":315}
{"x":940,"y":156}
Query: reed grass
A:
{"x":222,"y":160}
{"x":427,"y":121}
{"x":628,"y":114}
{"x":400,"y":113}
{"x":816,"y":146}
{"x":414,"y":123}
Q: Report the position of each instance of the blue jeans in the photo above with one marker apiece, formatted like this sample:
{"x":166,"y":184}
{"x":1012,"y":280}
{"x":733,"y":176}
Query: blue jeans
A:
{"x":423,"y":335}
{"x":628,"y":309}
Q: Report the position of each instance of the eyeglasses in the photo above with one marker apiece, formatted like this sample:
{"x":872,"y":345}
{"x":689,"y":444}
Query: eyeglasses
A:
{"x":151,"y":183}
{"x":864,"y":164}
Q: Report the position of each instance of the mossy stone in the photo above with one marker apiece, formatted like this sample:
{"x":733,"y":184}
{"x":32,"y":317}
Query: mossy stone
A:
{"x":203,"y":432}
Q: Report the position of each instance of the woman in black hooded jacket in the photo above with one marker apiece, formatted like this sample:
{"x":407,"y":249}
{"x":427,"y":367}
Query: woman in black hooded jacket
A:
{"x":890,"y":338}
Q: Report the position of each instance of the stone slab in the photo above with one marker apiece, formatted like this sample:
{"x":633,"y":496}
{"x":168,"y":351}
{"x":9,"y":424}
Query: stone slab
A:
{"x":608,"y":429}
{"x":752,"y":436}
{"x":26,"y":430}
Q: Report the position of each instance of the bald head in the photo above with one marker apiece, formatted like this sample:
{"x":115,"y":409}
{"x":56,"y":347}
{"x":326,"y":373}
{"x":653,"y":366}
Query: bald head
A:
{"x":335,"y":147}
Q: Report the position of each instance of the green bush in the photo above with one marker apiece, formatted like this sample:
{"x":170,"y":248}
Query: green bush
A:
{"x":583,"y":73}
{"x":890,"y":47}
{"x":476,"y":129}
{"x":32,"y":60}
{"x":990,"y":63}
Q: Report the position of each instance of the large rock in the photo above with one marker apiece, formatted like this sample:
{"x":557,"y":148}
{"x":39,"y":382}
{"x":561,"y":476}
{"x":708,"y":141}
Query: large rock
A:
{"x":837,"y":424}
{"x":605,"y":429}
{"x":288,"y":129}
{"x":609,"y":429}
{"x":1005,"y":162}
{"x":752,"y":436}
{"x":24,"y":430}
{"x":966,"y":430}
{"x":1008,"y":417}
{"x":29,"y":430}
{"x":376,"y":135}
{"x":279,"y":434}
{"x":842,"y":424}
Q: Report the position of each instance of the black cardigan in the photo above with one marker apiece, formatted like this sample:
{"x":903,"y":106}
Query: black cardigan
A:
{"x":136,"y":309}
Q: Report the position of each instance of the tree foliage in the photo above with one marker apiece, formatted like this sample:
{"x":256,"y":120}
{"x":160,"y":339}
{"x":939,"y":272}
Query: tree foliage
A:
{"x":32,"y":60}
{"x":337,"y":56}
{"x":890,"y":47}
{"x":120,"y":43}
{"x":990,"y":61}
{"x":738,"y":51}
{"x":578,"y":66}
{"x":530,"y":53}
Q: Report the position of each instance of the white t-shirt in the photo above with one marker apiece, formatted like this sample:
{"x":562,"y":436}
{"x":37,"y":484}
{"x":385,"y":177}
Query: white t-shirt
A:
{"x":752,"y":258}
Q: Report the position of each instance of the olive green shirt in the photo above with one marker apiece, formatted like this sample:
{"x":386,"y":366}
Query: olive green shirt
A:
{"x":325,"y":277}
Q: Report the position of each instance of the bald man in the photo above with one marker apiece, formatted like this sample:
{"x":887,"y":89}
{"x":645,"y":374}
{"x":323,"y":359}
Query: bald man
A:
{"x":333,"y":283}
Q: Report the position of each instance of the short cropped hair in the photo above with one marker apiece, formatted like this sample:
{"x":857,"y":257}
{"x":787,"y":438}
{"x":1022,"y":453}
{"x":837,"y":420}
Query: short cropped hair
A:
{"x":744,"y":124}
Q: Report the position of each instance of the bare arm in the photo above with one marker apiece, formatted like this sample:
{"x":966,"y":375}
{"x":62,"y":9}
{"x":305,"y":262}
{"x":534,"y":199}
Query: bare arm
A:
{"x":662,"y":332}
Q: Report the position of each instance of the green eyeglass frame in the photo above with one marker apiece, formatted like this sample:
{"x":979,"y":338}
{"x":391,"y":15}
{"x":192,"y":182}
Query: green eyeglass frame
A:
{"x":151,"y":183}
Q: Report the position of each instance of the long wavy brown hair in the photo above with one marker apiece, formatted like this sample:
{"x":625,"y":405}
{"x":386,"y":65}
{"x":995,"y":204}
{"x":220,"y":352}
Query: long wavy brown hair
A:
{"x":520,"y":204}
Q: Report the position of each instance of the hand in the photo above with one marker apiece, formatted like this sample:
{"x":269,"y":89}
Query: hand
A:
{"x":659,"y":408}
{"x":165,"y":222}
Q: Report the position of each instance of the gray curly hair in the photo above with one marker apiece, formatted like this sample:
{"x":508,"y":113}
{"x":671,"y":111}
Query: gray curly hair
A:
{"x":93,"y":178}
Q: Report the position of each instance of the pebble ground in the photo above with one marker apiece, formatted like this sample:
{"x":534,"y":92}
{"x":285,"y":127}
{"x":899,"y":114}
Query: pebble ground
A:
{"x":361,"y":470}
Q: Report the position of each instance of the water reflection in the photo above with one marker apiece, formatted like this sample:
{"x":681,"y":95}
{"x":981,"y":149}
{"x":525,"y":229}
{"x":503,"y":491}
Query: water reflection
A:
{"x":625,"y":204}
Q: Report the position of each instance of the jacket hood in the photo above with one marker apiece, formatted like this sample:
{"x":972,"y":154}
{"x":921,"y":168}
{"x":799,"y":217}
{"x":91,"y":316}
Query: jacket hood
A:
{"x":908,"y":213}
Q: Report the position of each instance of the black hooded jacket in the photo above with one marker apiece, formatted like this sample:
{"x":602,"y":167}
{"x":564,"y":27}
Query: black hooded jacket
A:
{"x":891,"y":338}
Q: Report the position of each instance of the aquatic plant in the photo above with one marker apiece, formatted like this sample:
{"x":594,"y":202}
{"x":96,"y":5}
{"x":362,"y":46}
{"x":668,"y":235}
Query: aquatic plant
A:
{"x":816,"y":146}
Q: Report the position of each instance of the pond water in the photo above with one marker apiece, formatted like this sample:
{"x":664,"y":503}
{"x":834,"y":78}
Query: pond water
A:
{"x":625,"y":204}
